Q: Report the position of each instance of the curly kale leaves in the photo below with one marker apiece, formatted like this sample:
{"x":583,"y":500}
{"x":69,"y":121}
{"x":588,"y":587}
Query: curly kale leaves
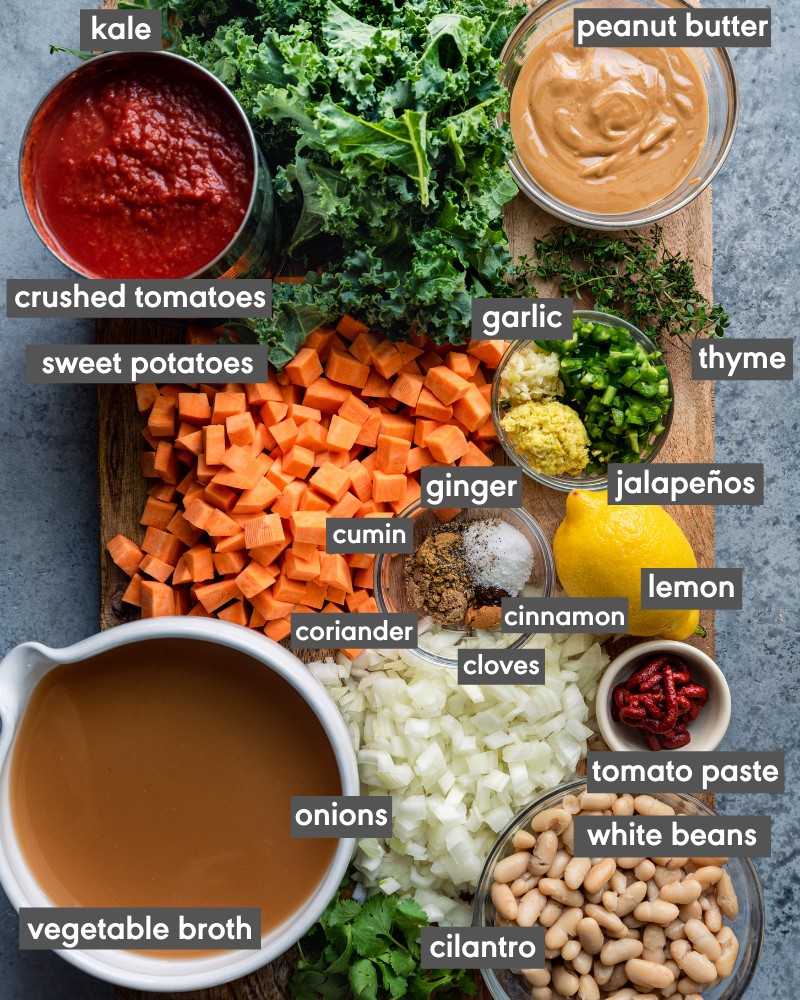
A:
{"x":379,"y":120}
{"x":372,"y":953}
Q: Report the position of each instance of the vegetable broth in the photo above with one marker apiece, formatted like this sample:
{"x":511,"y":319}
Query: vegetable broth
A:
{"x":160,"y":774}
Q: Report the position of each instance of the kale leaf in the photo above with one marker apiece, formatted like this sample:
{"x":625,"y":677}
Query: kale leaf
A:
{"x":379,"y":120}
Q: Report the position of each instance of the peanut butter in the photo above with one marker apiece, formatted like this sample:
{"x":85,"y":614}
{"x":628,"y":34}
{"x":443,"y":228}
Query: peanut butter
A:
{"x":608,"y":130}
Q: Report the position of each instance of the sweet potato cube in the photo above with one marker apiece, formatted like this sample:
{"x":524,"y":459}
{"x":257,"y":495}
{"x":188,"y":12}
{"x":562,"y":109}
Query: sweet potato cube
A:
{"x":296,"y":568}
{"x":258,"y":498}
{"x":343,"y":367}
{"x":474,"y":456}
{"x":429,"y":406}
{"x":490,"y":352}
{"x":215,"y":595}
{"x":342,"y":434}
{"x":446,"y":444}
{"x":304,"y":367}
{"x":368,"y":435}
{"x":446,"y":386}
{"x":157,"y":600}
{"x":346,"y":507}
{"x":263,"y":530}
{"x":146,"y":393}
{"x":334,"y":572}
{"x":388,"y":487}
{"x":161,"y":422}
{"x":241,"y":428}
{"x":458,"y":363}
{"x":331,"y":481}
{"x":163,"y":545}
{"x":386,"y":359}
{"x":298,"y":461}
{"x":226,"y":404}
{"x":253,"y":579}
{"x":157,"y":513}
{"x":472,"y":409}
{"x":312,"y":435}
{"x":285,"y":433}
{"x":309,"y":526}
{"x":125,"y":553}
{"x":392,"y":453}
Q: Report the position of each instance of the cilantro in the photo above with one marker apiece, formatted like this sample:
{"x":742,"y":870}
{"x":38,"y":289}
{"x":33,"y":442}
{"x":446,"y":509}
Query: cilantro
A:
{"x":371,"y":952}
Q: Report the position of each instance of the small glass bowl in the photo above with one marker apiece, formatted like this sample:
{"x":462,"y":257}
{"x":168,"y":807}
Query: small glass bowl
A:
{"x":748,"y":926}
{"x":716,"y":72}
{"x":565,"y":483}
{"x":390,"y":574}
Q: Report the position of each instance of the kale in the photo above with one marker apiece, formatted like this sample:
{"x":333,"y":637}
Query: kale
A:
{"x":378,"y":119}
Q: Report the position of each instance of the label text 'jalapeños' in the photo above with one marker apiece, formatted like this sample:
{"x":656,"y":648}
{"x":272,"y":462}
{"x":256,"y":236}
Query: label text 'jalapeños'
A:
{"x":708,"y":485}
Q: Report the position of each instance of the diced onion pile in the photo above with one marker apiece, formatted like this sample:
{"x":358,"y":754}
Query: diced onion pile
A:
{"x":459,"y":762}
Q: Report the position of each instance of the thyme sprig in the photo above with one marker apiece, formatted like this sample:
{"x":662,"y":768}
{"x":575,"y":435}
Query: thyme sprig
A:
{"x":635,"y":276}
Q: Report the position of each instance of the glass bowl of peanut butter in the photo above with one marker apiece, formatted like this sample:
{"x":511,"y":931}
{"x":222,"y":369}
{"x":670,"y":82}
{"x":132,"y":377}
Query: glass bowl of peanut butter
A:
{"x":614,"y":137}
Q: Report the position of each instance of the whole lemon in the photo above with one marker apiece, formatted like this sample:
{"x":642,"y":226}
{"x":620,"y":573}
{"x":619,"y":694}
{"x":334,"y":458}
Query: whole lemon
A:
{"x":600,"y":551}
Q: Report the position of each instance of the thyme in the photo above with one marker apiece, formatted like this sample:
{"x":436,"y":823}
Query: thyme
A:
{"x":634,"y":276}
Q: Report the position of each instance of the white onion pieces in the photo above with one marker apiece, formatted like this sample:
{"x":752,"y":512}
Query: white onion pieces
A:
{"x":459,"y":762}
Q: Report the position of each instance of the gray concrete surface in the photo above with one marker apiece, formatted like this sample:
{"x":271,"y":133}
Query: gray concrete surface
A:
{"x":48,"y":500}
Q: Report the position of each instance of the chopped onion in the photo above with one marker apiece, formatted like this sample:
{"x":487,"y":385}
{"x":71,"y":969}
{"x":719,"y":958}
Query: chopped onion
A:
{"x":458,"y":761}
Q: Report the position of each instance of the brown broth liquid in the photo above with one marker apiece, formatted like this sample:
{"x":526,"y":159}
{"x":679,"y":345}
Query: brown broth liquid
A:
{"x":160,"y":774}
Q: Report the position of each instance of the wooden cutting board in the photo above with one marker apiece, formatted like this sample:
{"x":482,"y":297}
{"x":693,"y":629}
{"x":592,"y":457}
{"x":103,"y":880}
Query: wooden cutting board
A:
{"x":123,"y":491}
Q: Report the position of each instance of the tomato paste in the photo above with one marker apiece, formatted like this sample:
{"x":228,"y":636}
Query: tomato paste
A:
{"x":143,"y":172}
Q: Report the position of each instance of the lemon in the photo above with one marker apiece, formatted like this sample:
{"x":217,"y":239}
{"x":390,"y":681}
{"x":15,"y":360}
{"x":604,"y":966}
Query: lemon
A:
{"x":600,"y":551}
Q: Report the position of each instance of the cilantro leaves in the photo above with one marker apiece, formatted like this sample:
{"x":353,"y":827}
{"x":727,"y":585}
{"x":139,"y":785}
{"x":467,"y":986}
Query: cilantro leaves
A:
{"x":372,"y":953}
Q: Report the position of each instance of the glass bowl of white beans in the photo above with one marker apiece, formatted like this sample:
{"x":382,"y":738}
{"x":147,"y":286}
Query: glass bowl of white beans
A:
{"x":716,"y":933}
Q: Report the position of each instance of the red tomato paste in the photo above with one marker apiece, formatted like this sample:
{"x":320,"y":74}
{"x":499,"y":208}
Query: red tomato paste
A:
{"x":144,"y":173}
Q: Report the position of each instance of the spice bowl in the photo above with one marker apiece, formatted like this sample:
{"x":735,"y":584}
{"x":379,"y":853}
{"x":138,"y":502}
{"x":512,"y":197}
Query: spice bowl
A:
{"x":595,"y":482}
{"x":715,"y":70}
{"x":748,"y":926}
{"x":708,"y":729}
{"x":390,"y":578}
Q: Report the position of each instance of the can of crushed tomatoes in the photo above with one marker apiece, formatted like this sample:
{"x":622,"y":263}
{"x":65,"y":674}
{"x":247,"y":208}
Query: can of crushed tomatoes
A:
{"x":144,"y":165}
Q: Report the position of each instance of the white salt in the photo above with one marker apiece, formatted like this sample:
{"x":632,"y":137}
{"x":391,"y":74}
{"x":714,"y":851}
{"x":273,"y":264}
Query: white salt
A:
{"x":498,"y":555}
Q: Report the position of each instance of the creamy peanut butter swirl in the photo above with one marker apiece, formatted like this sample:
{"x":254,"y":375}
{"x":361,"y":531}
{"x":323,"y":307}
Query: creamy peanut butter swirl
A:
{"x":608,"y":130}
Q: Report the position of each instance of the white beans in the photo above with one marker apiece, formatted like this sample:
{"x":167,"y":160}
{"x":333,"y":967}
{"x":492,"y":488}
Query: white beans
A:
{"x":726,"y":897}
{"x":565,"y":982}
{"x":543,"y":853}
{"x":680,"y":892}
{"x":504,"y":901}
{"x":564,"y":928}
{"x":729,"y":947}
{"x":523,"y":841}
{"x":556,"y":820}
{"x":620,"y":951}
{"x":556,"y":888}
{"x":512,"y":867}
{"x":599,"y":874}
{"x":702,"y":939}
{"x":576,"y":871}
{"x":646,"y":805}
{"x":656,"y":912}
{"x":530,"y":907}
{"x":590,"y":935}
{"x":616,"y":928}
{"x":648,"y":973}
